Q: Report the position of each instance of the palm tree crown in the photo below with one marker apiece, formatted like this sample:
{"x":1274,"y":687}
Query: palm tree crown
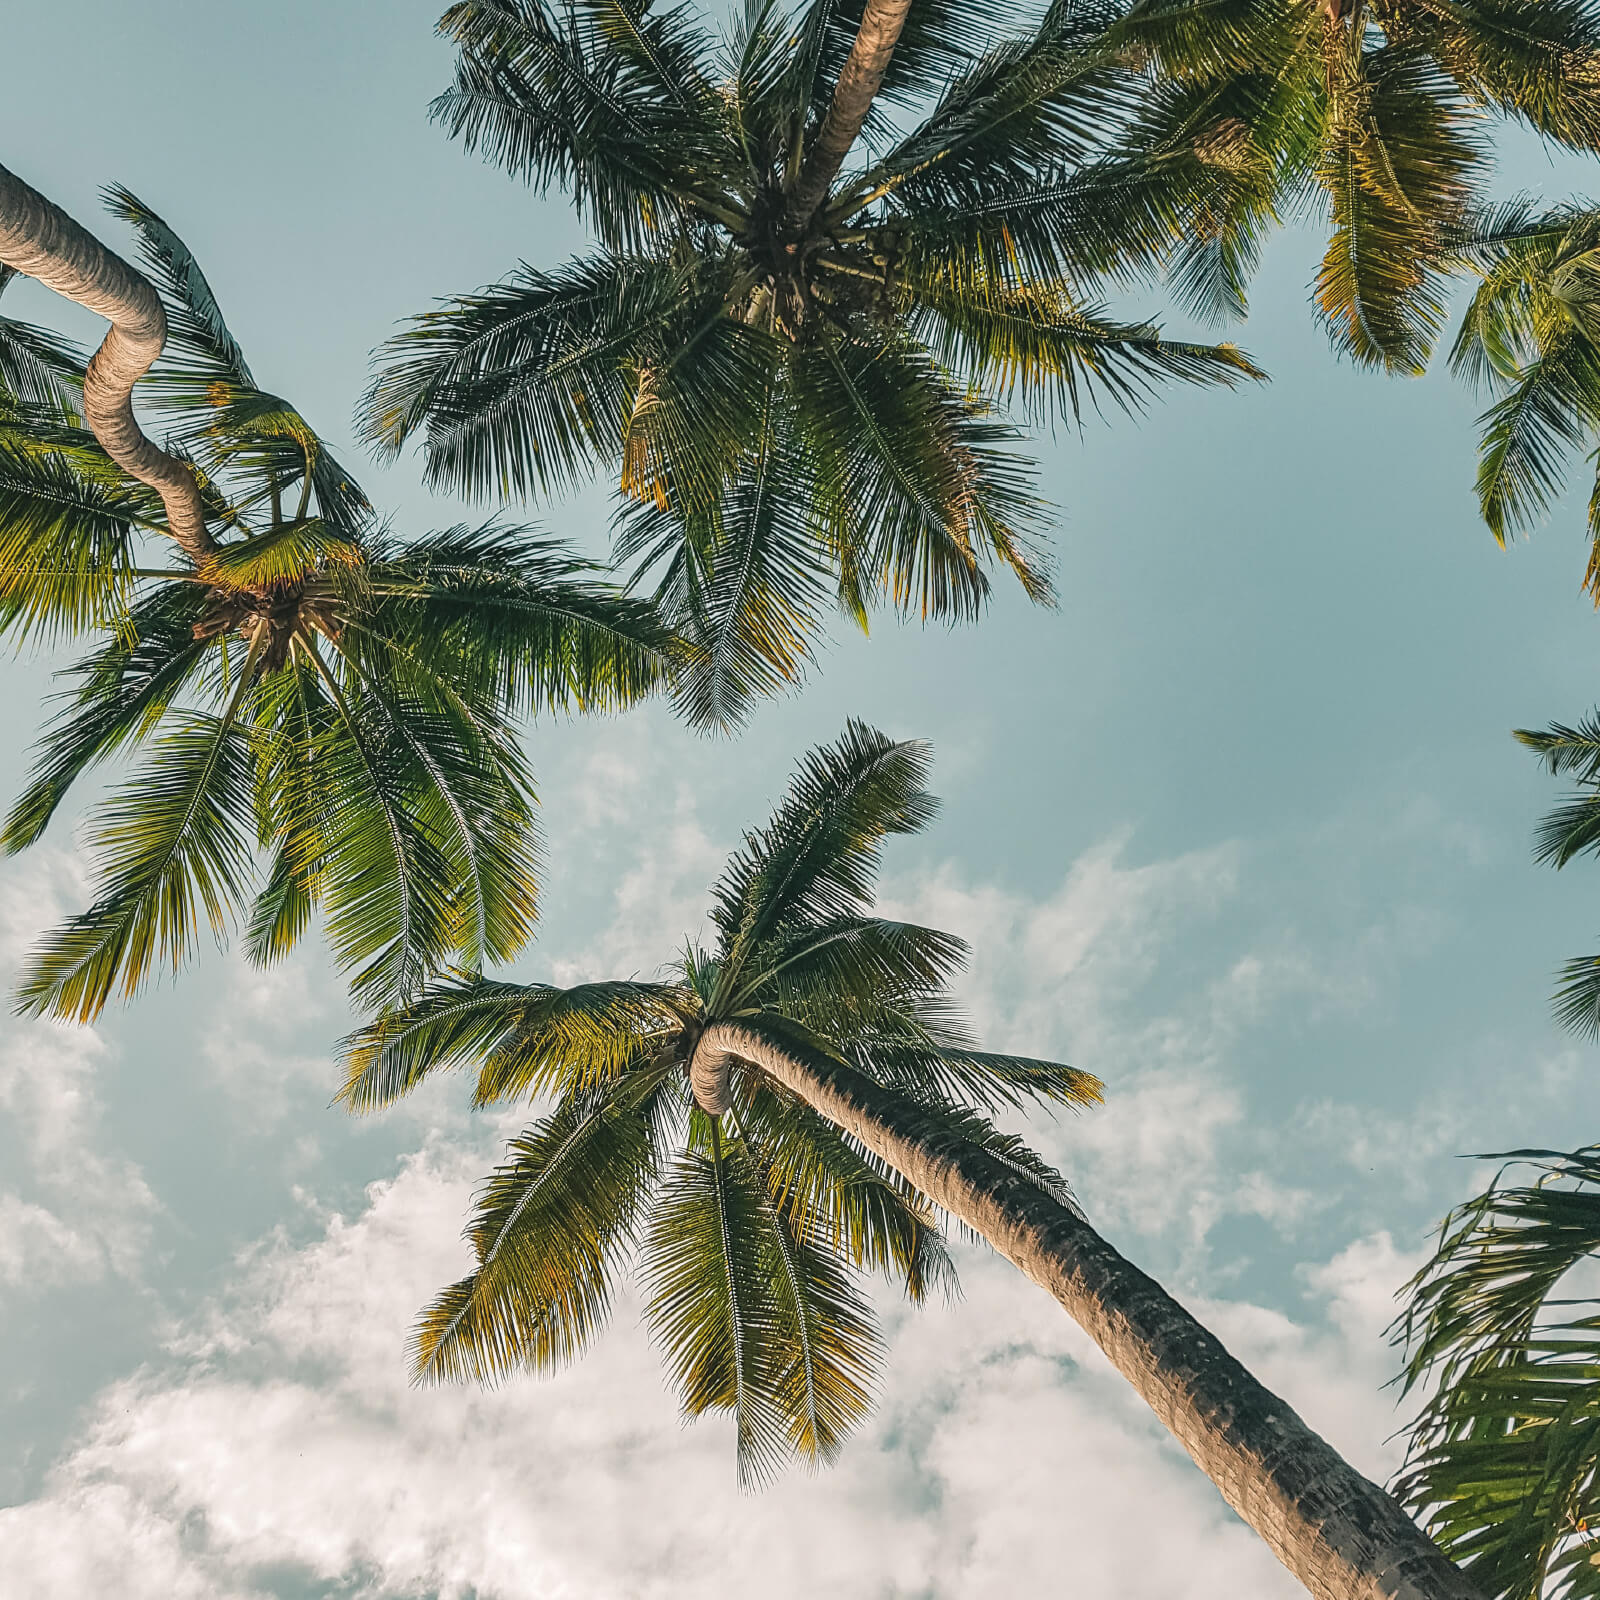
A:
{"x":1370,"y":113}
{"x":314,"y":692}
{"x":832,"y":243}
{"x":749,"y":1223}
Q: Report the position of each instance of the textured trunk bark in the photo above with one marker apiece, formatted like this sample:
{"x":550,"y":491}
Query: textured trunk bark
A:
{"x":1336,"y":1531}
{"x":40,"y":239}
{"x":857,"y":88}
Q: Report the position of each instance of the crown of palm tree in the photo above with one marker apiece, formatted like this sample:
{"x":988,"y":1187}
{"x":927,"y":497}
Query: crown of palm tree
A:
{"x":1368,"y":112}
{"x":749,"y":1227}
{"x":1504,"y":1464}
{"x":314,"y":695}
{"x":832,"y":243}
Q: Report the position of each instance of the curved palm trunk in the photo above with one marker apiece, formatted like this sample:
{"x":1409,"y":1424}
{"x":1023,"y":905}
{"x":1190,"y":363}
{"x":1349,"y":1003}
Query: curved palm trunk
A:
{"x":41,"y":240}
{"x":1336,"y":1531}
{"x":857,"y":88}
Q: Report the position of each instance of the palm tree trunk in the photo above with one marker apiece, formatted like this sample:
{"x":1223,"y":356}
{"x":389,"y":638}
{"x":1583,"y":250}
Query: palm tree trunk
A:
{"x":41,"y":240}
{"x":1336,"y":1531}
{"x":857,"y":88}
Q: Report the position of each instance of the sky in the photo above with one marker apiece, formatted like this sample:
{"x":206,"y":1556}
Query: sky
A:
{"x":1239,"y":827}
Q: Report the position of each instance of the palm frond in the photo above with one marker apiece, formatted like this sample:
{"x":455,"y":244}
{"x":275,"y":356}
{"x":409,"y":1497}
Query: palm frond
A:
{"x":1504,"y":1464}
{"x":844,"y":1199}
{"x":1041,"y":350}
{"x":37,"y":367}
{"x":66,"y":555}
{"x":1398,"y":163}
{"x":607,"y":99}
{"x":526,"y":385}
{"x":550,"y":1231}
{"x":195,"y":324}
{"x":916,"y":493}
{"x":167,"y":848}
{"x":506,"y":613}
{"x":1537,"y":60}
{"x":817,"y":858}
{"x":743,"y":576}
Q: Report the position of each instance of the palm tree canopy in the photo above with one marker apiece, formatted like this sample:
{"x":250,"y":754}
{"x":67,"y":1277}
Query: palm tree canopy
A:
{"x":325,"y":712}
{"x":800,"y":389}
{"x":748,"y":1230}
{"x":1504,"y":1464}
{"x":1369,"y":113}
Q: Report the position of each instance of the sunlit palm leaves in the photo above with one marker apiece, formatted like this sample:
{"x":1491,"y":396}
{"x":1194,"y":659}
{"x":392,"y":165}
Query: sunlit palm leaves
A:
{"x":1571,"y":830}
{"x":1504,"y":1466}
{"x":747,"y":1232}
{"x":1371,"y":113}
{"x":801,"y":399}
{"x":1531,"y":337}
{"x":324,"y":713}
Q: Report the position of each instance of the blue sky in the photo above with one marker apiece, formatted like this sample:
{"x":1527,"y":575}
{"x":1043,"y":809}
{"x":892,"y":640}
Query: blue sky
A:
{"x":1239,"y":827}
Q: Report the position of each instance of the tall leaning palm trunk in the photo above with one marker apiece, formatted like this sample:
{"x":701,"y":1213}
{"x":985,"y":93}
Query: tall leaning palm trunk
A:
{"x":1339,"y":1533}
{"x":39,"y":239}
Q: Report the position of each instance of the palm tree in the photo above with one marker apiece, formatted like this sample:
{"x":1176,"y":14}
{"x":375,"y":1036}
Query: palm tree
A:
{"x":833,"y":247}
{"x":308,"y":689}
{"x":1504,"y":1462}
{"x":797,"y":1102}
{"x":1370,"y":114}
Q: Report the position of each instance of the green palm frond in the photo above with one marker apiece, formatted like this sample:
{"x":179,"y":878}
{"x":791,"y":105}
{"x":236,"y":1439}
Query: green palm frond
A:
{"x":844,"y":1199}
{"x":601,"y":96}
{"x":915,"y":490}
{"x":746,"y":585}
{"x":1529,"y":435}
{"x":1050,"y":354}
{"x":172,"y":844}
{"x":1535,"y":59}
{"x":817,"y":859}
{"x":1529,"y":337}
{"x":283,"y":555}
{"x":1569,"y":830}
{"x":1397,"y":165}
{"x":390,"y":851}
{"x":1504,"y":1463}
{"x":954,"y":1116}
{"x":66,"y":551}
{"x":37,"y":367}
{"x":750,"y":1319}
{"x":979,"y":1078}
{"x":195,"y":324}
{"x":519,"y":618}
{"x":569,"y":1039}
{"x":548,"y":1232}
{"x":528,"y":384}
{"x":1025,"y":106}
{"x":123,"y":692}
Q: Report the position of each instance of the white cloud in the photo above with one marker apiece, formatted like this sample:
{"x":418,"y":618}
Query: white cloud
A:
{"x":279,"y":1434}
{"x":74,"y":1209}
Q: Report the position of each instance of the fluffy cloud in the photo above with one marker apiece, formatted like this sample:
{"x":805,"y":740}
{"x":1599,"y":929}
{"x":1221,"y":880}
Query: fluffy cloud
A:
{"x":72,"y":1209}
{"x":274,"y":1447}
{"x":278,"y":1436}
